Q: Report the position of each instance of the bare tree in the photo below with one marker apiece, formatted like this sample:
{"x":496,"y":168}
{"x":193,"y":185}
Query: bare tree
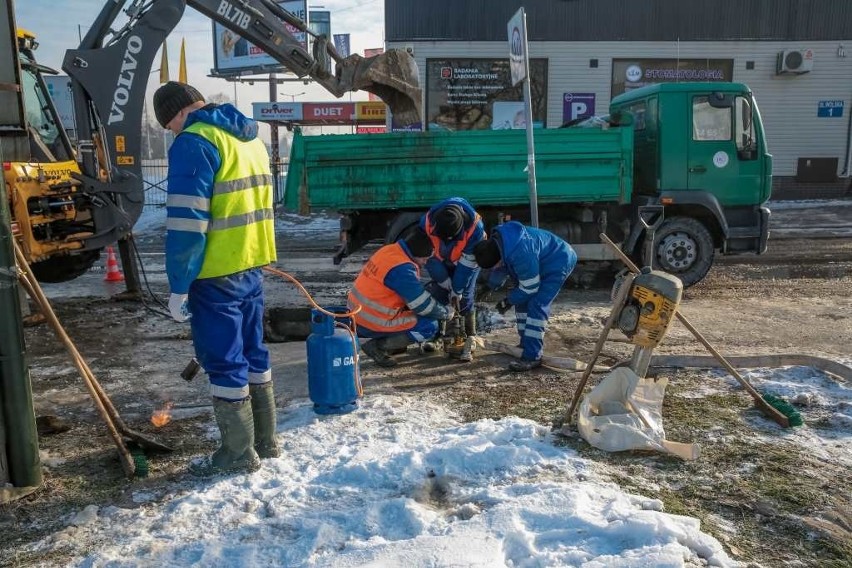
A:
{"x":220,"y":99}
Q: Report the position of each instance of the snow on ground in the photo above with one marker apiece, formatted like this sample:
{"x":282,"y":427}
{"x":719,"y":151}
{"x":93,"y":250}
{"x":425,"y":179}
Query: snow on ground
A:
{"x":399,"y":482}
{"x":152,"y":222}
{"x":824,"y":402}
{"x":809,"y":204}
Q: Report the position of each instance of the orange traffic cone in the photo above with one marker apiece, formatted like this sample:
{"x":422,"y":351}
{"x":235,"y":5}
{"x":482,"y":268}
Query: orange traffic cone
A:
{"x":113,"y":274}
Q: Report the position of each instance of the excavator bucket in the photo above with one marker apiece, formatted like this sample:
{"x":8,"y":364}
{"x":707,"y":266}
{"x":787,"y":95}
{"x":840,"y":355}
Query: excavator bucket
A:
{"x":392,"y":76}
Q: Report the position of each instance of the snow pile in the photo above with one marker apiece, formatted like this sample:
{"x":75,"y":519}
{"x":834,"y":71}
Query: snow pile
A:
{"x":399,"y":483}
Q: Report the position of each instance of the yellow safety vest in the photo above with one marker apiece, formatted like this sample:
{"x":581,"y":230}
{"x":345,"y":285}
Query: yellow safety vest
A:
{"x":241,"y":233}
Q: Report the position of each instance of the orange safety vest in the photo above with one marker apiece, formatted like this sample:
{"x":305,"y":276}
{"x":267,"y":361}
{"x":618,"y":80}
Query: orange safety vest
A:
{"x":382,"y":309}
{"x":458,"y":248}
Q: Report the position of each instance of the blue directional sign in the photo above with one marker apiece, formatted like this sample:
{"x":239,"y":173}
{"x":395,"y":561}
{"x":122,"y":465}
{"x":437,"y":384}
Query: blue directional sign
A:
{"x":830,"y":109}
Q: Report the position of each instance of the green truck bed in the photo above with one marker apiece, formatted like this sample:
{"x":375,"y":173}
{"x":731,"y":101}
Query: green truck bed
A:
{"x":414,"y":170}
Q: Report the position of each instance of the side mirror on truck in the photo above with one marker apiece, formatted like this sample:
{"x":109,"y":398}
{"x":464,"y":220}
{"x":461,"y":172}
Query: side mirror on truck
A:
{"x":746,"y":144}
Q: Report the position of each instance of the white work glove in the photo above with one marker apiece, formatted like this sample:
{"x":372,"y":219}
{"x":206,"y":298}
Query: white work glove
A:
{"x":179,"y":307}
{"x":455,"y":299}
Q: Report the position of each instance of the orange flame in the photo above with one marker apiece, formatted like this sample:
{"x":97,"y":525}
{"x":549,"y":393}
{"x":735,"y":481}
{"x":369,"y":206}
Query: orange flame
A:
{"x":162,"y":416}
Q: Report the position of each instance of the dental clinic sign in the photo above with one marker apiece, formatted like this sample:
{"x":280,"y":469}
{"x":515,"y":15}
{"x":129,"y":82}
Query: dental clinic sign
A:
{"x":629,"y":74}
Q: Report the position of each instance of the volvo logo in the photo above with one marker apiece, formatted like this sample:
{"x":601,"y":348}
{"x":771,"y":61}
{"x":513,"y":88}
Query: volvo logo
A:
{"x":125,"y":79}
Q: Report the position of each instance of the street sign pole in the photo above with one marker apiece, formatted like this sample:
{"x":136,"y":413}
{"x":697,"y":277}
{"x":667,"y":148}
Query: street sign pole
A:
{"x":519,"y":63}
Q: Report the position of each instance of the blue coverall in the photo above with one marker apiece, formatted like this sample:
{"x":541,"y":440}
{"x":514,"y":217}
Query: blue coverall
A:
{"x":538,"y":263}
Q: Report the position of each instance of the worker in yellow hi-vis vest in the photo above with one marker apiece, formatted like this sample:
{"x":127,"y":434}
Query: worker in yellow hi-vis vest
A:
{"x":219,"y":234}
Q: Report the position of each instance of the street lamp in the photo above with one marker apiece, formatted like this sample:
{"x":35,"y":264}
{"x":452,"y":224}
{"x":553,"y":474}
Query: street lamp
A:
{"x":292,"y":97}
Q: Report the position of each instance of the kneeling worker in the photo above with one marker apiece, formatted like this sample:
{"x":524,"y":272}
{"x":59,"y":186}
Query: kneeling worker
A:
{"x":396,"y":310}
{"x":538,"y":262}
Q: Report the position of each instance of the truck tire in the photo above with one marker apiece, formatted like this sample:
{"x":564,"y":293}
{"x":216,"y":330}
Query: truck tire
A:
{"x":684,"y":247}
{"x":64,"y":268}
{"x":402,"y":223}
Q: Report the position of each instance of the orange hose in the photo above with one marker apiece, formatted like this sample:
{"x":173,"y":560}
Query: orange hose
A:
{"x":353,"y":331}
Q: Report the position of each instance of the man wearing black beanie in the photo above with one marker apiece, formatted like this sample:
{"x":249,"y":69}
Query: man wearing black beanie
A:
{"x":455,"y":228}
{"x":538,"y":263}
{"x":218,"y":166}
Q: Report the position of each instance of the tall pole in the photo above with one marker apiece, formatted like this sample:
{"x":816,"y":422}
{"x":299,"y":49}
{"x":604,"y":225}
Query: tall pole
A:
{"x":273,"y":135}
{"x":19,"y":459}
{"x":530,"y":143}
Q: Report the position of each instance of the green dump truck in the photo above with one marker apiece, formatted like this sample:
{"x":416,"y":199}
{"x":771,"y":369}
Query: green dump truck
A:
{"x":697,"y":149}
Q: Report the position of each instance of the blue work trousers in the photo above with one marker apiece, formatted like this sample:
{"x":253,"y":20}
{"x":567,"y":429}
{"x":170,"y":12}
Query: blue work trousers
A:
{"x":227,"y":332}
{"x":423,"y":330}
{"x":531,"y":317}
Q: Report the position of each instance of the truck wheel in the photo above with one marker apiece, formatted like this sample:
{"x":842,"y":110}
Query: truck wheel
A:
{"x":64,"y":268}
{"x":683,"y":247}
{"x":402,"y":223}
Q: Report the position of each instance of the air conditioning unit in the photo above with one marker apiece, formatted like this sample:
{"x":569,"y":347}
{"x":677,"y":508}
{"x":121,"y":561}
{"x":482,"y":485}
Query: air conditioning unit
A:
{"x":795,"y":61}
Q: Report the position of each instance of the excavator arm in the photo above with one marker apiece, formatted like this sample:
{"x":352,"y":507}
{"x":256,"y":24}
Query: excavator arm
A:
{"x":109,"y":74}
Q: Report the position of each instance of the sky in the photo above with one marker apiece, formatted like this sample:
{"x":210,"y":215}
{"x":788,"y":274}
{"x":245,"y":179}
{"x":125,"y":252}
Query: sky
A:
{"x":363,"y":19}
{"x":403,"y":482}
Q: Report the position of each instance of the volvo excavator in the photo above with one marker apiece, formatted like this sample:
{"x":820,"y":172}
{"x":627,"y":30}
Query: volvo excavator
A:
{"x":70,"y":201}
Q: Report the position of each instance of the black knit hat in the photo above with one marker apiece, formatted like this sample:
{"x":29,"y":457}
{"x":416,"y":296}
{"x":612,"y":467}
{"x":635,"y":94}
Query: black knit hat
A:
{"x":448,"y":222}
{"x":487,"y":253}
{"x":172,"y":98}
{"x":419,"y":244}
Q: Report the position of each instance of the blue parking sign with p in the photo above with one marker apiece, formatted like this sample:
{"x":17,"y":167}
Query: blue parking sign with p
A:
{"x":577,"y":105}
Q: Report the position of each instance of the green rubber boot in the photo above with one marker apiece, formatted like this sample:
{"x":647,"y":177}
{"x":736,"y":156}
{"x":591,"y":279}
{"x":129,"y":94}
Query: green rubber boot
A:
{"x":236,"y":453}
{"x":263,"y":411}
{"x":470,"y":322}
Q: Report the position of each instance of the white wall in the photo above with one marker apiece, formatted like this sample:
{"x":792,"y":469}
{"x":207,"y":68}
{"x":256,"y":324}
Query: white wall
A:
{"x":788,"y":103}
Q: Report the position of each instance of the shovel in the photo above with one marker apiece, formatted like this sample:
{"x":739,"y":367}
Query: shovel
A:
{"x":102,"y":401}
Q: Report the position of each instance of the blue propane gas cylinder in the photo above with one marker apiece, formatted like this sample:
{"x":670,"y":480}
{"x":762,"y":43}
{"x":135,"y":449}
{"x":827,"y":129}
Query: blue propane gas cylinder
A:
{"x":332,"y":365}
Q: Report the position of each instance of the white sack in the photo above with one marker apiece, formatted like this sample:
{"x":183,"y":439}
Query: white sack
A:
{"x":608,"y":419}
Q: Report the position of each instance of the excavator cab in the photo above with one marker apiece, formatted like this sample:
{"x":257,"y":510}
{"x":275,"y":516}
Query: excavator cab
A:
{"x":43,"y":194}
{"x":48,"y":140}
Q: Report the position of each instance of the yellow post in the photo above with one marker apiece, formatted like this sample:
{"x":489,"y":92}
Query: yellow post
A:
{"x":182,"y":68}
{"x":164,"y":65}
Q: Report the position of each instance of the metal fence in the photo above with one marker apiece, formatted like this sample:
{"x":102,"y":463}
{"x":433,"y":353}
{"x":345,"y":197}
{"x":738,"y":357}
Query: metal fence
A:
{"x":155,"y":173}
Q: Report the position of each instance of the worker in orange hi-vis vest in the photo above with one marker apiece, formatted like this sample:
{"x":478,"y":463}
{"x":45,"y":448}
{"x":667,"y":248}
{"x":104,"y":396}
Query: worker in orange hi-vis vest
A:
{"x":396,"y":310}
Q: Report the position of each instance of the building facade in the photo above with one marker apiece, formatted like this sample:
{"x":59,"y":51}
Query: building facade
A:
{"x":795,"y":55}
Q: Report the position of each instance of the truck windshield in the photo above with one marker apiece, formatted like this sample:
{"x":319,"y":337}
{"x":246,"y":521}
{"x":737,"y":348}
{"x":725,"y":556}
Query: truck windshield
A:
{"x":46,"y":140}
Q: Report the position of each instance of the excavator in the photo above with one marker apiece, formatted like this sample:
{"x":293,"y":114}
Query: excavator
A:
{"x":70,"y":201}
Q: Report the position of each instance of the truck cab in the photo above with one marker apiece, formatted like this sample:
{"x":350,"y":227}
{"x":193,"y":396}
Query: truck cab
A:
{"x":708,"y":166}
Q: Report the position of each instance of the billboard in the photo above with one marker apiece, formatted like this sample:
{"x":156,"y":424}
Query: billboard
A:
{"x":277,"y":111}
{"x":370,"y":129}
{"x":328,"y":113}
{"x":629,"y":74}
{"x":469,"y":94}
{"x":341,"y":44}
{"x":371,"y":111}
{"x":233,"y":54}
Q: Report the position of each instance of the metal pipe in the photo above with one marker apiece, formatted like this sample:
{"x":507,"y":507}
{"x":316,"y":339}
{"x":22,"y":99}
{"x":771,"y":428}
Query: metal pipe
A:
{"x":17,"y":417}
{"x":846,"y":173}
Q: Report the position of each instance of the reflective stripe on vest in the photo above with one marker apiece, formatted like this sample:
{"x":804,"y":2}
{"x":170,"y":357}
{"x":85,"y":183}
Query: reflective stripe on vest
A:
{"x":458,"y":247}
{"x":382,"y":309}
{"x":241,"y":232}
